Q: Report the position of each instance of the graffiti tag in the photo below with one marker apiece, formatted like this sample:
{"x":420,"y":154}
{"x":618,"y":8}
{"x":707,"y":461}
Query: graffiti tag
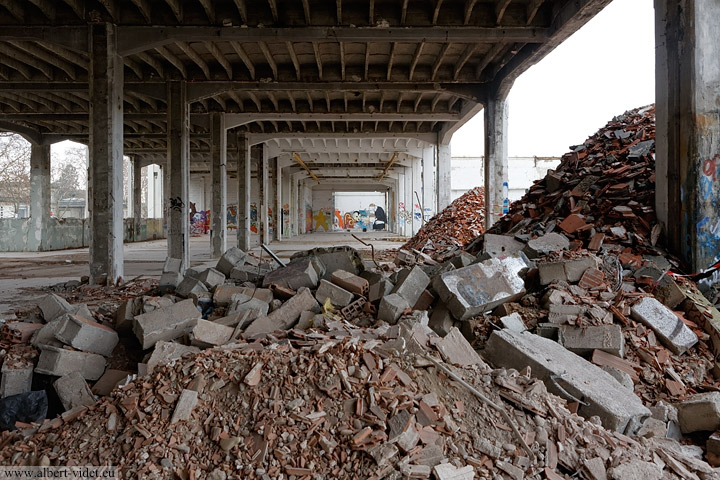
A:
{"x":711,"y":167}
{"x":177,"y":204}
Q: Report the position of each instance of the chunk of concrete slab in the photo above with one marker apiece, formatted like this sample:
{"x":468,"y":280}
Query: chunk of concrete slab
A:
{"x":184,"y":406}
{"x":73,"y":391}
{"x":513,"y":322}
{"x":456,"y":350}
{"x":17,"y":374}
{"x":248,"y":273}
{"x":441,"y":320}
{"x":671,"y":331}
{"x":700,"y":413}
{"x":191,"y":286}
{"x":300,"y":273}
{"x":223,"y":294}
{"x":165,"y":323}
{"x":623,"y":378}
{"x":548,"y":243}
{"x":338,"y":296}
{"x":583,"y":340}
{"x":560,"y":314}
{"x":379,"y":290}
{"x":60,"y":361}
{"x":170,"y":280}
{"x":391,"y":308}
{"x":411,"y":283}
{"x":125,"y":314}
{"x":335,"y":258}
{"x":87,"y":335}
{"x":618,"y":408}
{"x":480,"y":287}
{"x":210,"y":334}
{"x":166,"y":353}
{"x":665,"y":289}
{"x":46,"y":334}
{"x":565,"y":270}
{"x":233,"y":257}
{"x":172,"y":265}
{"x":284,"y":317}
{"x":211,"y":278}
{"x":242,"y":303}
{"x":636,"y":469}
{"x":501,"y":245}
{"x":110,"y":379}
{"x":53,"y":306}
{"x":350,"y":282}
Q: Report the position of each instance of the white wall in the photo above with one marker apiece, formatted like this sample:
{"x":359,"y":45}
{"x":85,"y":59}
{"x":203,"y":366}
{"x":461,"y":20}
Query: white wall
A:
{"x":351,"y":202}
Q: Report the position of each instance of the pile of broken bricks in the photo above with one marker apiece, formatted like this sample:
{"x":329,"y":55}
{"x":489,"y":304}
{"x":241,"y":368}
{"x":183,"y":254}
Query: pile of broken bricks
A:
{"x":454,"y":228}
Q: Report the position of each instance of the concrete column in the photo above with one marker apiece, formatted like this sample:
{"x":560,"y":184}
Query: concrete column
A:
{"x":429,"y":177}
{"x":178,"y":118}
{"x":409,"y":202}
{"x":496,"y":160}
{"x":137,"y":197}
{"x":106,"y":155}
{"x":294,"y":206}
{"x":263,"y":173}
{"x":243,"y":201}
{"x":278,"y":199}
{"x":218,"y":153}
{"x":416,"y":192}
{"x":39,"y":196}
{"x":687,"y":75}
{"x":444,"y":176}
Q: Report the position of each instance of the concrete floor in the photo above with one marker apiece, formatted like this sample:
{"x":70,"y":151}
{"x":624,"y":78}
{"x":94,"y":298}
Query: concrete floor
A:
{"x":23,"y":274}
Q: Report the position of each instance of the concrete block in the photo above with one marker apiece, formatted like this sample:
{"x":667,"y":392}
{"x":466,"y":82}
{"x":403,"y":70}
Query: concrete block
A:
{"x":550,"y":242}
{"x":548,"y":330}
{"x":501,"y":245}
{"x":456,"y":350}
{"x":410,"y":284}
{"x":191,"y":272}
{"x":172,"y":265}
{"x":565,"y":270}
{"x":350,"y":282}
{"x":184,"y":406}
{"x":166,"y":323}
{"x":73,"y":391}
{"x":480,"y":287}
{"x":462,"y":259}
{"x":125,"y":314}
{"x":167,"y":353}
{"x":405,"y":258}
{"x":306,"y":320}
{"x":583,"y":340}
{"x":425,"y":301}
{"x":224,"y":293}
{"x":191,"y":286}
{"x":617,"y":407}
{"x":371,"y":277}
{"x":335,"y":258}
{"x":338,"y":296}
{"x":284,"y":317}
{"x":110,"y":379}
{"x":59,"y":361}
{"x":700,"y":413}
{"x":560,"y":314}
{"x":671,"y":331}
{"x":210,"y":334}
{"x":391,"y":308}
{"x":53,"y":306}
{"x":666,"y":289}
{"x":170,"y":279}
{"x":300,"y":273}
{"x":653,"y":428}
{"x":46,"y":334}
{"x":150,"y":304}
{"x":380,"y":289}
{"x":247,"y":273}
{"x":623,"y":378}
{"x":636,"y":469}
{"x":243,"y":303}
{"x":87,"y":335}
{"x":233,"y":257}
{"x":17,"y":374}
{"x":82,"y":310}
{"x":513,"y":322}
{"x":441,"y":320}
{"x":211,"y":278}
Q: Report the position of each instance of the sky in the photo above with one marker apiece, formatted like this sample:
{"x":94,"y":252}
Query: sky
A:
{"x":603,"y":70}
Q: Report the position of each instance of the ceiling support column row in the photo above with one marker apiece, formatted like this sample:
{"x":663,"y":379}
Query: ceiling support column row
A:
{"x":39,"y":196}
{"x":218,"y":146}
{"x":496,"y":159}
{"x":243,"y":201}
{"x":178,"y":151}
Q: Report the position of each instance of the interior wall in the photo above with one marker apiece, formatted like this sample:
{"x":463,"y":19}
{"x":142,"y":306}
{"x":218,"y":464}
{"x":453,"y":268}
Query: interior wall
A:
{"x":356,"y":210}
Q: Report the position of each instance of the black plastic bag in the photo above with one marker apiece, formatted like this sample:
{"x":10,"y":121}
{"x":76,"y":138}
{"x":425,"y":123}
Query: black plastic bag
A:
{"x":29,"y":407}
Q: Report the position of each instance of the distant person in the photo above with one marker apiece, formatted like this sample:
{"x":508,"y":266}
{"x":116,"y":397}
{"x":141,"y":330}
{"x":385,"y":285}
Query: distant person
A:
{"x":380,"y":219}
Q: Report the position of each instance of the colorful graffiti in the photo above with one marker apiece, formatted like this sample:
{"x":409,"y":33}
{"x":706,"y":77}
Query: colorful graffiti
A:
{"x":254,"y":218}
{"x":364,"y":219}
{"x":711,"y":167}
{"x":286,"y":219}
{"x":200,"y":223}
{"x":231,"y":216}
{"x":322,"y":219}
{"x":308,"y":218}
{"x":338,"y":223}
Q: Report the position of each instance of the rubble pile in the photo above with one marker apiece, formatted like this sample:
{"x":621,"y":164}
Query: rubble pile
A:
{"x":454,"y":228}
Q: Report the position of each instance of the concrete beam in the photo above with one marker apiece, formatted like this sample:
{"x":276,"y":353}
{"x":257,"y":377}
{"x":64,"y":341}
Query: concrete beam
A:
{"x":237,"y":119}
{"x":39,"y":195}
{"x":178,"y":153}
{"x":218,"y":147}
{"x":139,"y":39}
{"x":105,"y":148}
{"x":255,"y":138}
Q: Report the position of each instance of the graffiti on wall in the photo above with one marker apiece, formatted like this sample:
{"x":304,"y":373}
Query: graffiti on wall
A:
{"x":232,"y":216}
{"x":253,"y":218}
{"x":308,"y":218}
{"x":322,"y":219}
{"x":200,"y":222}
{"x":286,"y":219}
{"x":372,"y":217}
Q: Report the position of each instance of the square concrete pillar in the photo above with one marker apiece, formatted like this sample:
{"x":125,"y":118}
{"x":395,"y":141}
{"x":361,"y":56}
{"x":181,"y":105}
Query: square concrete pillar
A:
{"x":178,"y":145}
{"x":218,"y":153}
{"x":687,"y":75}
{"x":294,"y":207}
{"x":444,"y":176}
{"x":429,"y":177}
{"x":137,"y":198}
{"x":409,"y":200}
{"x":243,"y":201}
{"x":496,"y":159}
{"x":39,"y":196}
{"x":264,"y":182}
{"x":106,"y":155}
{"x":278,"y":200}
{"x":416,"y":178}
